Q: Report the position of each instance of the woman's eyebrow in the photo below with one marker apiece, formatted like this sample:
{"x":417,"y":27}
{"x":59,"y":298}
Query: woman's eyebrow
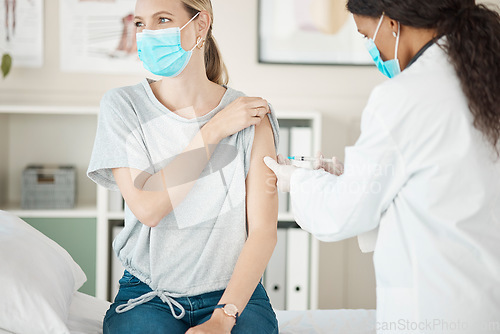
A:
{"x":163,"y":12}
{"x":156,"y":14}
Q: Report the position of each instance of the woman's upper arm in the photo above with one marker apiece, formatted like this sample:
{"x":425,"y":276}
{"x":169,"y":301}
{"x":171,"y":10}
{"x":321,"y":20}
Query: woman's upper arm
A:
{"x":262,"y":194}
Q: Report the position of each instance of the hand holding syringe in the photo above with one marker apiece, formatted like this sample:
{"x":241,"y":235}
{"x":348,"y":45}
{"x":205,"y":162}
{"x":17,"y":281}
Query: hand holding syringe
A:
{"x":332,"y":166}
{"x":284,"y":169}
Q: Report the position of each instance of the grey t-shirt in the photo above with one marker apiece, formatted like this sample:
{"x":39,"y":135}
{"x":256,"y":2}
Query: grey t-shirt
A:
{"x":194,"y":249}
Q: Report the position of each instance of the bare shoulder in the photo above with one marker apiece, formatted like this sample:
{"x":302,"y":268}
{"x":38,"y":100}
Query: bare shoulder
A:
{"x":263,"y":141}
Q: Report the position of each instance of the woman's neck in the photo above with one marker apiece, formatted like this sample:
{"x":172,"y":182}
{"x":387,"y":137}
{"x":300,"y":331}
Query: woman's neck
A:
{"x":191,"y":90}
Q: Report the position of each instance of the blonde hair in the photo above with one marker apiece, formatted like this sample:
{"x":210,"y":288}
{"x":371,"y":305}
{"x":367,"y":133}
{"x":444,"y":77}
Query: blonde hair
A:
{"x":214,"y":65}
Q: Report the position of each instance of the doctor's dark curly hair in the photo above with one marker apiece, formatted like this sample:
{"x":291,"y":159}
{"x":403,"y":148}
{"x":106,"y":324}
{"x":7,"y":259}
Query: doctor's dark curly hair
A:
{"x":473,"y":33}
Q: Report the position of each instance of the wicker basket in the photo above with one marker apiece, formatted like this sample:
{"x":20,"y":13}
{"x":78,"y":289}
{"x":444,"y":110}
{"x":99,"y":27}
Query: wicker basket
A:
{"x":48,"y":187}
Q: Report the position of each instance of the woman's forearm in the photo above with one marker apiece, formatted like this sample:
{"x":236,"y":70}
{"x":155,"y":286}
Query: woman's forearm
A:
{"x":249,"y":268}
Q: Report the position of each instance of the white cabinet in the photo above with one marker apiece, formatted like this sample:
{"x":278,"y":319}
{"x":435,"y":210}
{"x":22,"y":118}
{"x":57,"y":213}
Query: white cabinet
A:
{"x":53,"y":135}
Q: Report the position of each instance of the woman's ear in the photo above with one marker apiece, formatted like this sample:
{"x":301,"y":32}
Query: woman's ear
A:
{"x":203,"y":23}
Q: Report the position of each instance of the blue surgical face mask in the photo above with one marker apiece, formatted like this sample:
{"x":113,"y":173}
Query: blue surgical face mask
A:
{"x":389,"y":68}
{"x":161,"y":51}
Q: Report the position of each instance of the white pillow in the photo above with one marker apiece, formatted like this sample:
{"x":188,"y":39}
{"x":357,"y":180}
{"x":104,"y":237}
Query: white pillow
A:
{"x":37,"y":279}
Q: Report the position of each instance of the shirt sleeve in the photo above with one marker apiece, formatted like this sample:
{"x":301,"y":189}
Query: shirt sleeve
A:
{"x":249,"y":135}
{"x":335,"y":208}
{"x":118,"y":143}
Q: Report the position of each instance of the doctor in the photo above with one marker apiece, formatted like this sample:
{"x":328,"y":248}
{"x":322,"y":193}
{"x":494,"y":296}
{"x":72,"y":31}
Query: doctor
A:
{"x":425,"y":170}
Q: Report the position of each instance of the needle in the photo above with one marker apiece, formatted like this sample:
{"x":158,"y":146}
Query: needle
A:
{"x":302,"y":158}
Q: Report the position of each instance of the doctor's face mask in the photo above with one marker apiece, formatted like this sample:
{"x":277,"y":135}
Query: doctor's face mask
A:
{"x":389,"y":68}
{"x":161,"y":51}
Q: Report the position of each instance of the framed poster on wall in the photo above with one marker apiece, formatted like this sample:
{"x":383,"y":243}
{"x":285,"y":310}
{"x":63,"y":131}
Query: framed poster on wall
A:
{"x":98,"y":36}
{"x":21,"y":31}
{"x":316,"y":32}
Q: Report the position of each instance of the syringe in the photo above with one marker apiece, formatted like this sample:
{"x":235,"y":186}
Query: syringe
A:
{"x":302,"y":158}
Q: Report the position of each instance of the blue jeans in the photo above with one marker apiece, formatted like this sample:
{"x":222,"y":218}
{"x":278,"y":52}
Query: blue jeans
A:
{"x":155,"y":316}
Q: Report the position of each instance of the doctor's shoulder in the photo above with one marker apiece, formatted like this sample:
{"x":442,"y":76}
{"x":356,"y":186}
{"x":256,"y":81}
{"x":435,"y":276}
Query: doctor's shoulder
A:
{"x":389,"y":95}
{"x":415,"y":87}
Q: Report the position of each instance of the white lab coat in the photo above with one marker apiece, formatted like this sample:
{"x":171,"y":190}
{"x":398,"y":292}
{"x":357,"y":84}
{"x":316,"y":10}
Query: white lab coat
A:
{"x":423,"y":175}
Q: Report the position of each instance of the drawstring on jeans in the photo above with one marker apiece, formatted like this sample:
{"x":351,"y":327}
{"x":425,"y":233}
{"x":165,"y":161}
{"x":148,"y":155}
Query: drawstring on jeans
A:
{"x":164,"y":296}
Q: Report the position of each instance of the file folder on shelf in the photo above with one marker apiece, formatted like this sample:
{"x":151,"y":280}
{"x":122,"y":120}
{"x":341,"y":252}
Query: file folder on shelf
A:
{"x":284,"y":149}
{"x":115,"y":201}
{"x":297,"y":271}
{"x":275,"y":276}
{"x":300,"y":145}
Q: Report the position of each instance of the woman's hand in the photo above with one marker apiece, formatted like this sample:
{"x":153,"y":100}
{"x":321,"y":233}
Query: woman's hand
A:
{"x":219,"y":323}
{"x":335,"y":167}
{"x":240,"y":114}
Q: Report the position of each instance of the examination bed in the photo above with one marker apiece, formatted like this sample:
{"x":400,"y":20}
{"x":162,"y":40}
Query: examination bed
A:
{"x":39,"y":282}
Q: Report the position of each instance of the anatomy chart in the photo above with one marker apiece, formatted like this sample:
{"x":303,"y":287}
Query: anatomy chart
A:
{"x":21,"y":31}
{"x":98,"y":36}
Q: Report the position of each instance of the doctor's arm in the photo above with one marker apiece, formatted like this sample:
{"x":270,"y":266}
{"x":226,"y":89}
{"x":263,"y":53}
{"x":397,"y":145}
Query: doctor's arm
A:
{"x":334,"y":208}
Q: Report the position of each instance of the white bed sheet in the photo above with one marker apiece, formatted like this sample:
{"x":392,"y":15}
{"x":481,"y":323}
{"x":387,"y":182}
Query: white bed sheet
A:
{"x":87,"y":312}
{"x":327,"y":322}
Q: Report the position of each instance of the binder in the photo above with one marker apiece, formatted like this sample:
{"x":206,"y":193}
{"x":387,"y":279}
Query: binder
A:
{"x":284,"y":149}
{"x":297,"y":271}
{"x":115,"y":201}
{"x":300,"y":144}
{"x":116,"y":266}
{"x":275,"y":275}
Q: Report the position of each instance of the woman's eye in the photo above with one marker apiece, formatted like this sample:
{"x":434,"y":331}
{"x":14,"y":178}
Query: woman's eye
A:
{"x":139,"y":24}
{"x":164,"y":20}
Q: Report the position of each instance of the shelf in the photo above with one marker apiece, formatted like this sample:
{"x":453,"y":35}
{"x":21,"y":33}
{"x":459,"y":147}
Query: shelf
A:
{"x":47,"y":110}
{"x":286,"y":216}
{"x":84,"y":210}
{"x":116,"y":215}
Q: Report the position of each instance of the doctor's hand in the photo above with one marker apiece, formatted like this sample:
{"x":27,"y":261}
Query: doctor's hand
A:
{"x":335,"y":167}
{"x":283,"y":170}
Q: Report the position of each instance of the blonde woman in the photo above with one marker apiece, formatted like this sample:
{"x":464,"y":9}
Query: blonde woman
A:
{"x":186,"y":152}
